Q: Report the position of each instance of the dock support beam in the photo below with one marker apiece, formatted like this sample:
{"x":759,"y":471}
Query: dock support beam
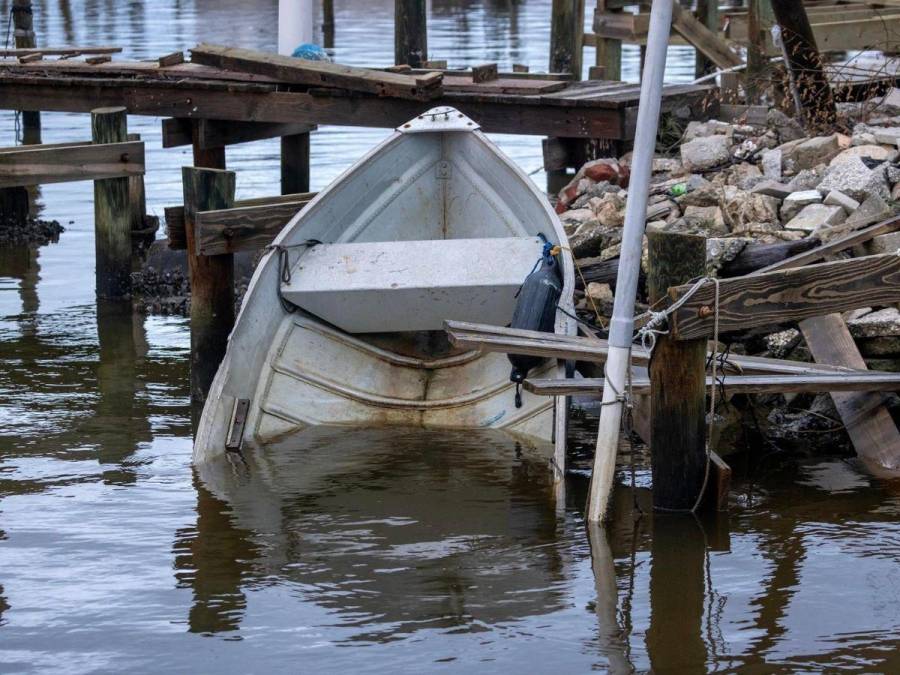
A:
{"x":212,"y":282}
{"x":410,"y":33}
{"x":328,"y":24}
{"x":566,"y":32}
{"x":677,"y":381}
{"x":112,"y":212}
{"x":23,"y":22}
{"x":295,"y":163}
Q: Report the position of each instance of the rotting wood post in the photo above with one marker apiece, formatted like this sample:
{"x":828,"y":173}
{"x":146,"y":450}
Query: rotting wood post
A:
{"x":23,"y":23}
{"x":609,"y":51}
{"x":566,"y":36}
{"x":328,"y":24}
{"x":677,"y":381}
{"x":112,"y":212}
{"x":410,"y":32}
{"x":708,"y":15}
{"x":295,"y":163}
{"x":137,"y":204}
{"x":212,"y":281}
{"x":805,"y":63}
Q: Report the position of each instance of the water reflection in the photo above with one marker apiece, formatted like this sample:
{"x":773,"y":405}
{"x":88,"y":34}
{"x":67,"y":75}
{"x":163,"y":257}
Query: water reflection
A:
{"x":392,"y":531}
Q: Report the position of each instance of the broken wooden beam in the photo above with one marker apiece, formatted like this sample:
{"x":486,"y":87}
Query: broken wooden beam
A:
{"x":172,"y":59}
{"x":174,"y":215}
{"x":319,"y":73}
{"x":794,"y":294}
{"x":702,"y":38}
{"x":38,"y":164}
{"x":734,"y":384}
{"x":177,"y":131}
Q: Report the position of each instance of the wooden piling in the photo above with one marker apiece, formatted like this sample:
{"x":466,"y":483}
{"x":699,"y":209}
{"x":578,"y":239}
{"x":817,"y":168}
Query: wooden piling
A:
{"x":805,"y":63}
{"x":112,"y":214}
{"x":410,"y":32}
{"x":708,"y":15}
{"x":13,"y":205}
{"x":759,"y":22}
{"x":137,"y":204}
{"x":566,"y":33}
{"x":328,"y":24}
{"x":212,"y":281}
{"x":295,"y":163}
{"x":23,"y":22}
{"x":677,"y":381}
{"x":609,"y":51}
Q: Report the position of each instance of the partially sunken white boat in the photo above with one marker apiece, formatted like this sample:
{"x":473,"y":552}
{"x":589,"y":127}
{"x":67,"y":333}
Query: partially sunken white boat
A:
{"x":433,"y":224}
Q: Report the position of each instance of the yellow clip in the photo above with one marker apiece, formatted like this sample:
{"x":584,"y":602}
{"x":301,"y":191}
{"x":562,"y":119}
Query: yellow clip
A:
{"x":555,"y":250}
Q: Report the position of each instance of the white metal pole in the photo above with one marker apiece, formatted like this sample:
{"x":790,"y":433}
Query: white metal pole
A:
{"x":622,"y":325}
{"x":295,"y":24}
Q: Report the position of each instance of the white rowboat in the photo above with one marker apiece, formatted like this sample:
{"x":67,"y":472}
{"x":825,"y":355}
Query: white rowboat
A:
{"x":342,"y":321}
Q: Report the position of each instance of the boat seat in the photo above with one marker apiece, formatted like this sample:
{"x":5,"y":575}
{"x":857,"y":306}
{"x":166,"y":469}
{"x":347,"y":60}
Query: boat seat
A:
{"x":394,"y":286}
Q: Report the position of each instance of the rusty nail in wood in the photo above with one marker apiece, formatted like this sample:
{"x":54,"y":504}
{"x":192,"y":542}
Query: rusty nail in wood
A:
{"x":705,"y":312}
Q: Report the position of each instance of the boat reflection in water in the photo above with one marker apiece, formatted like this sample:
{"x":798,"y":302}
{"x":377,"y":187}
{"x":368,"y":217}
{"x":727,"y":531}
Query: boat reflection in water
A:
{"x":392,"y":531}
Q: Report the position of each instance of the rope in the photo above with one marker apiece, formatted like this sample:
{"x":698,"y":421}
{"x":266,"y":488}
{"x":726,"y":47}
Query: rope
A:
{"x":712,"y":402}
{"x":284,"y":268}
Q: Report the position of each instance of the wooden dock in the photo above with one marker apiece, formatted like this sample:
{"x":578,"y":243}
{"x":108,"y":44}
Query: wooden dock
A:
{"x":590,"y":109}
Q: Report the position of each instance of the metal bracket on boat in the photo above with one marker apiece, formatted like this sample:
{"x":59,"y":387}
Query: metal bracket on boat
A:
{"x":442,"y":118}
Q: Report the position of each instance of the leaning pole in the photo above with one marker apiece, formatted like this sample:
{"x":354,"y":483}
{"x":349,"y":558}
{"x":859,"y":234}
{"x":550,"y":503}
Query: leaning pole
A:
{"x":622,"y":326}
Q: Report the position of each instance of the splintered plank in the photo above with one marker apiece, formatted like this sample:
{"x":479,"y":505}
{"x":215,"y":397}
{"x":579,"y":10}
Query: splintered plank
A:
{"x":788,"y":295}
{"x":319,"y":73}
{"x":737,"y":384}
{"x":38,"y":165}
{"x":702,"y":38}
{"x":245,"y":228}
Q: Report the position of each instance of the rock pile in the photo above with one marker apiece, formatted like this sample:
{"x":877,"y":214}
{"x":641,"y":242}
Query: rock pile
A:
{"x":742,"y":185}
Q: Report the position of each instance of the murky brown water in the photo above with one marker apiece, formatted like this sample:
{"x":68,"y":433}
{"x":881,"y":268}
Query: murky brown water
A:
{"x":369,"y":551}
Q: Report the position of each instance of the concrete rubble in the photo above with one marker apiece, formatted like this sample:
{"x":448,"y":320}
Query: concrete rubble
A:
{"x":744,"y":186}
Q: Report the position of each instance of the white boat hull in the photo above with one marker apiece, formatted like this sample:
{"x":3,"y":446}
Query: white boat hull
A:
{"x":296,"y":370}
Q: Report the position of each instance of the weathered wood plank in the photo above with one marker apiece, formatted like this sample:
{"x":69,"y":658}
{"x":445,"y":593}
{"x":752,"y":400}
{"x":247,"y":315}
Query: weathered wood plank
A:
{"x":484,"y":72}
{"x":735,"y":384}
{"x":37,"y":165}
{"x":172,"y":59}
{"x":867,"y":421}
{"x":702,"y":38}
{"x":176,"y":131}
{"x":95,"y":60}
{"x":317,"y":73}
{"x":174,"y":215}
{"x":59,"y":51}
{"x":788,"y":295}
{"x":518,"y":341}
{"x":246,"y":228}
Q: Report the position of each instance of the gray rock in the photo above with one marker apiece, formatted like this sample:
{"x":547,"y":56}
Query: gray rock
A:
{"x":787,"y":128}
{"x":594,"y":190}
{"x":883,"y":323}
{"x":805,"y":180}
{"x":705,"y":195}
{"x":886,"y":135}
{"x":772,"y":188}
{"x":815,"y":216}
{"x":883,"y":243}
{"x":744,"y":175}
{"x":576,"y":216}
{"x":782,"y":343}
{"x":813,"y":151}
{"x":747,"y":207}
{"x":880,"y":346}
{"x":771,"y":164}
{"x":694,"y":225}
{"x":710,"y":128}
{"x":711,"y":213}
{"x":838,"y":198}
{"x":705,"y":152}
{"x":794,"y":202}
{"x":871,"y":151}
{"x":855,"y":180}
{"x":892,"y":174}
